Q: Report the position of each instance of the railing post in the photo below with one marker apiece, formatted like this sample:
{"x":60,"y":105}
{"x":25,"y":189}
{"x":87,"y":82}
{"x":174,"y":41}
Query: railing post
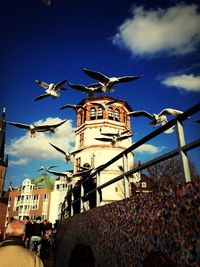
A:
{"x":126,"y":181}
{"x":97,"y":192}
{"x":183,"y":155}
{"x":71,"y":207}
{"x":81,"y":200}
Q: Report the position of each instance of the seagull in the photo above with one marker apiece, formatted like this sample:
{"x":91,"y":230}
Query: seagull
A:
{"x":73,"y":106}
{"x":66,"y":154}
{"x":51,"y":89}
{"x":114,"y":139}
{"x":159,"y":118}
{"x":86,"y":170}
{"x":118,"y":134}
{"x":102,"y":105}
{"x":107,"y":83}
{"x":90,"y":89}
{"x":32,"y":128}
{"x":66,"y":174}
{"x":42,"y":168}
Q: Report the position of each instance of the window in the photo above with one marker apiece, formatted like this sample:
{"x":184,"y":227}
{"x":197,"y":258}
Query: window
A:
{"x":117,"y":115}
{"x":35,"y":197}
{"x":100,"y":113}
{"x":110,"y":113}
{"x":92,"y":114}
{"x":81,"y":139}
{"x":82,"y":117}
{"x":144,"y":184}
{"x":78,"y":163}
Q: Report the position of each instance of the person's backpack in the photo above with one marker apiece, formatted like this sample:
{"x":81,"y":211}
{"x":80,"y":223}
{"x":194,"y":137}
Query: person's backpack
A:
{"x":38,"y":229}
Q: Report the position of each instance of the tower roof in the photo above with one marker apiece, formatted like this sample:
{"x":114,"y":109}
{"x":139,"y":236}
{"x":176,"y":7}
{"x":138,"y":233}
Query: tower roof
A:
{"x":105,"y":98}
{"x":43,"y":181}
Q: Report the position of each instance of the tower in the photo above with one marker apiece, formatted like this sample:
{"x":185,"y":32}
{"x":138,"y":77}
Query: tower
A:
{"x":99,"y":117}
{"x":3,"y":161}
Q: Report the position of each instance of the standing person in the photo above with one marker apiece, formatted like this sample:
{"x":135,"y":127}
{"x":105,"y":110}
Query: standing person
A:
{"x":36,"y":238}
{"x":12,"y":249}
{"x":29,"y":231}
{"x":47,"y":240}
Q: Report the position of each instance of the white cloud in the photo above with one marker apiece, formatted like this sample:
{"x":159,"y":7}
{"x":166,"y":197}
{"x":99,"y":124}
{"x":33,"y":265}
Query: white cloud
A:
{"x":38,"y":147}
{"x":18,"y":162}
{"x":174,"y":30}
{"x":147,"y":148}
{"x":186,"y":82}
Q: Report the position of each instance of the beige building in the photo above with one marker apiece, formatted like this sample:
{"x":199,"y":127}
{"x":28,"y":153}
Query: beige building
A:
{"x":102,"y":116}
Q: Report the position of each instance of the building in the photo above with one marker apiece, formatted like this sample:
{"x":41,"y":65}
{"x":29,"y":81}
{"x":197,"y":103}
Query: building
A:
{"x":3,"y":160}
{"x":32,"y":198}
{"x":61,"y":187}
{"x":42,"y":196}
{"x":101,"y":117}
{"x":3,"y":168}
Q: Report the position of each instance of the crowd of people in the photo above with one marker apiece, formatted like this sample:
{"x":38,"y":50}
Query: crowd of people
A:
{"x":39,"y":236}
{"x":32,"y":239}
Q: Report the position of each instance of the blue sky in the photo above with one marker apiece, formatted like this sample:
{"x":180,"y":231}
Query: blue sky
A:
{"x":159,"y":41}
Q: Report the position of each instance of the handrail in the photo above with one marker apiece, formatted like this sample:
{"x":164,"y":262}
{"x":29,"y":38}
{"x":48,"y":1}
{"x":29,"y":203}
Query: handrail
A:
{"x":180,"y":118}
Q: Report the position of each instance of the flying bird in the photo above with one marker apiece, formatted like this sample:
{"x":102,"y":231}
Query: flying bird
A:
{"x":104,"y":105}
{"x":159,"y":118}
{"x":197,"y":120}
{"x":86,"y":170}
{"x":67,"y":174}
{"x":51,"y":89}
{"x":32,"y":128}
{"x":106,"y":82}
{"x":73,"y":106}
{"x":47,"y":2}
{"x":91,"y":89}
{"x":114,"y":139}
{"x":42,"y":168}
{"x":67,"y":155}
{"x":118,"y":134}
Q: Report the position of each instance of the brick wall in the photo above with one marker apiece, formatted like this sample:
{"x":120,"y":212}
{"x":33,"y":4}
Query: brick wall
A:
{"x":3,"y":209}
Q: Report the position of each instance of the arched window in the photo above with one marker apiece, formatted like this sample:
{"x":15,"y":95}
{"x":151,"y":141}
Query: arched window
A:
{"x":82,"y":117}
{"x":92,"y":113}
{"x":117,"y":115}
{"x":100,"y":113}
{"x":110,"y":113}
{"x":81,"y":139}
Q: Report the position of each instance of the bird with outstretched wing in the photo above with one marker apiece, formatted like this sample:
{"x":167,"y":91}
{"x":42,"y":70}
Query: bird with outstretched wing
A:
{"x":91,"y":89}
{"x":106,"y":82}
{"x":32,"y":128}
{"x":73,"y":106}
{"x":68,"y":155}
{"x":159,"y":118}
{"x":51,"y":89}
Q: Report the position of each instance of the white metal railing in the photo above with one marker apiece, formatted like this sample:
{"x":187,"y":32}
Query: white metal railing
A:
{"x":181,"y":150}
